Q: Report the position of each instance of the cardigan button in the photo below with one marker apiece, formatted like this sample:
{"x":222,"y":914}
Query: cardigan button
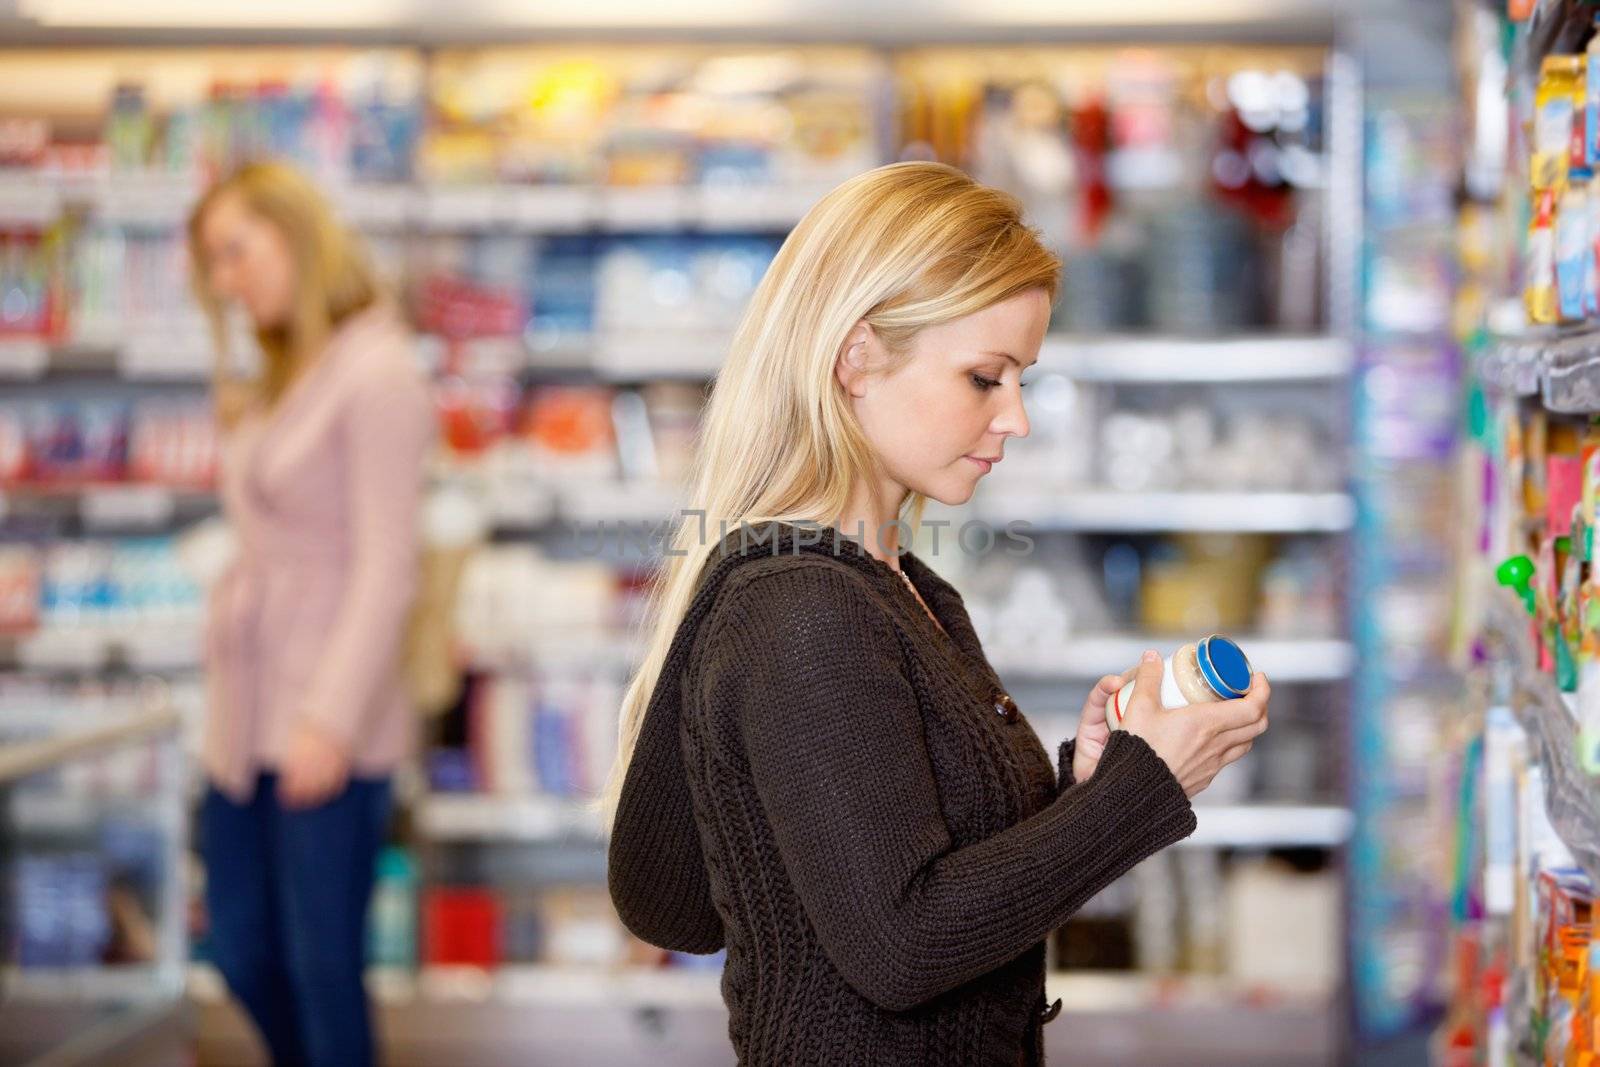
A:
{"x":1051,"y":1012}
{"x":1005,"y":707}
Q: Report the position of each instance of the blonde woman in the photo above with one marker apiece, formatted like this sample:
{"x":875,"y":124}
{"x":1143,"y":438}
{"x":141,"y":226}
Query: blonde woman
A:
{"x":818,"y":768}
{"x":306,"y":713}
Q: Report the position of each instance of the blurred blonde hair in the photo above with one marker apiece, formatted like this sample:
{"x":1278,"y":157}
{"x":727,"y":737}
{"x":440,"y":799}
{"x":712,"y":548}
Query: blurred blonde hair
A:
{"x":903,"y":247}
{"x":333,"y":277}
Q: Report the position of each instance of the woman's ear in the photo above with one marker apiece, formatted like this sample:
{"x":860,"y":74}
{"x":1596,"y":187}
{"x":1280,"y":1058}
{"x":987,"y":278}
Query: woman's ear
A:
{"x":850,"y":366}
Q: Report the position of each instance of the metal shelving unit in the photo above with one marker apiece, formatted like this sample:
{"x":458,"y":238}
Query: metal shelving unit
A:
{"x":95,"y":1014}
{"x":1572,"y":796}
{"x":521,"y":818}
{"x":1214,"y":512}
{"x":1167,"y":360}
{"x":1283,"y":659}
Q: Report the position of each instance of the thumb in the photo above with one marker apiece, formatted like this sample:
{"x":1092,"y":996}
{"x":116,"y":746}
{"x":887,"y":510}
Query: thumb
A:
{"x":1147,"y":680}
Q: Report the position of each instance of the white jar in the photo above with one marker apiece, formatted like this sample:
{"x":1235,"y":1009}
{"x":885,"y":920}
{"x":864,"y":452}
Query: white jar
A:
{"x":1212,"y":668}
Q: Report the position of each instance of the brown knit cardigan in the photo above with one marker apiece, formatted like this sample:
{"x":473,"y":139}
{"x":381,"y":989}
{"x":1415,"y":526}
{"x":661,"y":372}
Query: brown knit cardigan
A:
{"x":843,"y":795}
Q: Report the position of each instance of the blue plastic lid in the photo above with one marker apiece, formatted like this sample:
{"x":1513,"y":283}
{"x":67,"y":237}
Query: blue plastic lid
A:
{"x":1224,"y":666}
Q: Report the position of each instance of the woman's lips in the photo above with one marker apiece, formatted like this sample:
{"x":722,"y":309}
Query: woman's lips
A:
{"x":984,"y":464}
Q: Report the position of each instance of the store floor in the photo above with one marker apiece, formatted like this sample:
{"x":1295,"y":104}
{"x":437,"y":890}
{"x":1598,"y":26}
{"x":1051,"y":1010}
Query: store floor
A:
{"x":491,"y":1035}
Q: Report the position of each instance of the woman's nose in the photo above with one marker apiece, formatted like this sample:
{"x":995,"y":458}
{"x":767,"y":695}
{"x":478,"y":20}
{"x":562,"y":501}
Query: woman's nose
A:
{"x":1014,"y":419}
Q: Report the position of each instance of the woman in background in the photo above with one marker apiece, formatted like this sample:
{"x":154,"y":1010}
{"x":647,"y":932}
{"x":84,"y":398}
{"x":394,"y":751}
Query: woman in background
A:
{"x":307,"y":715}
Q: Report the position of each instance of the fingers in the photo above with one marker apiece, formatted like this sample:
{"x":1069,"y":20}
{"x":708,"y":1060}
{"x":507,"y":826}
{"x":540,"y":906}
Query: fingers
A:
{"x":1102,"y":693}
{"x":1240,"y":734}
{"x":1226,"y":715}
{"x":1147,"y":678}
{"x":1235,"y":752}
{"x":291,"y":790}
{"x":301,"y":787}
{"x":1251,"y":709}
{"x":1259,"y":687}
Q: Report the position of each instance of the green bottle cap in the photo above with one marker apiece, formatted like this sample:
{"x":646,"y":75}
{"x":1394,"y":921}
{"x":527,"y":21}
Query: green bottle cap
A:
{"x":1515,"y":572}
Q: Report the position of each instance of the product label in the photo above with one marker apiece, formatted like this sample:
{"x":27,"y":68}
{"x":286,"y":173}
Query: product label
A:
{"x":1539,"y":284}
{"x":1572,"y":251}
{"x":1591,"y":110}
{"x":1563,"y":491}
{"x":1553,"y":138}
{"x":1589,"y":717}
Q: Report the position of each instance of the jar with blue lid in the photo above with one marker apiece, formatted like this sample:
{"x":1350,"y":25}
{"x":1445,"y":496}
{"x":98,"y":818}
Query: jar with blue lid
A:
{"x":1210,"y":669}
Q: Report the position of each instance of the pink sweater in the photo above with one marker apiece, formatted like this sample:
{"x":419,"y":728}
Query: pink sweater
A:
{"x":324,"y":497}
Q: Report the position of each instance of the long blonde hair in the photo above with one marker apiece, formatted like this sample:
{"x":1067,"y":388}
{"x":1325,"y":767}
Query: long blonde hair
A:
{"x":334,"y":278}
{"x":903,"y":247}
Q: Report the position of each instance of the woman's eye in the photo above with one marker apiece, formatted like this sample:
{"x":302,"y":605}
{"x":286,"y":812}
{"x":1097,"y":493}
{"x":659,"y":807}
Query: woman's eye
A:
{"x":985,"y":384}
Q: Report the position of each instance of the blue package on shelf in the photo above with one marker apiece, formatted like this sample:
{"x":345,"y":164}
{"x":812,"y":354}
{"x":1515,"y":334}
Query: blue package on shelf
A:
{"x":691,"y":962}
{"x":554,"y":748}
{"x":61,"y":918}
{"x":450,"y":770}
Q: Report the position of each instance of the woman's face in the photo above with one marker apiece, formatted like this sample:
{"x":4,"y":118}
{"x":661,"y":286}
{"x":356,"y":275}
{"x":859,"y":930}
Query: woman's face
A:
{"x":247,"y":260}
{"x":950,"y":407}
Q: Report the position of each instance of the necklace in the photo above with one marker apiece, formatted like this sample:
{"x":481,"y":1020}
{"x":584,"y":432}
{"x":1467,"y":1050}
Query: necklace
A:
{"x":904,"y":577}
{"x":1004,"y":706}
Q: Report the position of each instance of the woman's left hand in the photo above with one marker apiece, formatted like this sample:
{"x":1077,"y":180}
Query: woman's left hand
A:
{"x":1093,"y":733}
{"x":315,"y":767}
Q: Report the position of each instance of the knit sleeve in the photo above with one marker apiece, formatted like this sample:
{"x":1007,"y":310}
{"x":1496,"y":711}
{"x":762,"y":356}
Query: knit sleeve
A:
{"x":1064,"y":780}
{"x":834,"y":737}
{"x":655,"y":869}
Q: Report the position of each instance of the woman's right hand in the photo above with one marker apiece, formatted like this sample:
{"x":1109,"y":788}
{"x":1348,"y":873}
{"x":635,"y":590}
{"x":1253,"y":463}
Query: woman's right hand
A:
{"x":1197,"y":741}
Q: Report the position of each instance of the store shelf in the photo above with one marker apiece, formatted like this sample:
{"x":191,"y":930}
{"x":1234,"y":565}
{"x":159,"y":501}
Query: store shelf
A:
{"x":166,"y":360}
{"x":492,"y":817}
{"x":160,"y":201}
{"x":694,"y":356}
{"x":111,"y":505}
{"x":28,"y":200}
{"x":487,"y":817}
{"x":639,"y":356}
{"x":378,"y":206}
{"x":1269,"y":826}
{"x":1091,"y":655}
{"x":79,"y":984}
{"x":1163,"y":360}
{"x":156,"y":646}
{"x":387,"y":985}
{"x":636,"y":504}
{"x":1060,"y":509}
{"x":611,"y":652}
{"x":19,"y":759}
{"x":1560,"y":366}
{"x":573,"y":986}
{"x":1572,"y":797}
{"x":1284,"y":660}
{"x":613,"y":209}
{"x":1107,"y":510}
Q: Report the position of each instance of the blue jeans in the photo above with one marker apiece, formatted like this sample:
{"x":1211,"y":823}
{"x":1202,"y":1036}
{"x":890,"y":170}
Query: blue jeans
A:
{"x":287,"y":892}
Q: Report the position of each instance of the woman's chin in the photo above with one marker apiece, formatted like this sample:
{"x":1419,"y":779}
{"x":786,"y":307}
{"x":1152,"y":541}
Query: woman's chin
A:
{"x":952,"y":494}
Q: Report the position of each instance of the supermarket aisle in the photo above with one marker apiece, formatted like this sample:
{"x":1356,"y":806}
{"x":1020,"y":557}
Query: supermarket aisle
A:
{"x":573,"y":227}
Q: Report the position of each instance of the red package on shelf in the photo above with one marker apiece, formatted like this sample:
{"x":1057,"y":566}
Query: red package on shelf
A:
{"x":1563,"y":480}
{"x":461,"y":925}
{"x":456,"y":308}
